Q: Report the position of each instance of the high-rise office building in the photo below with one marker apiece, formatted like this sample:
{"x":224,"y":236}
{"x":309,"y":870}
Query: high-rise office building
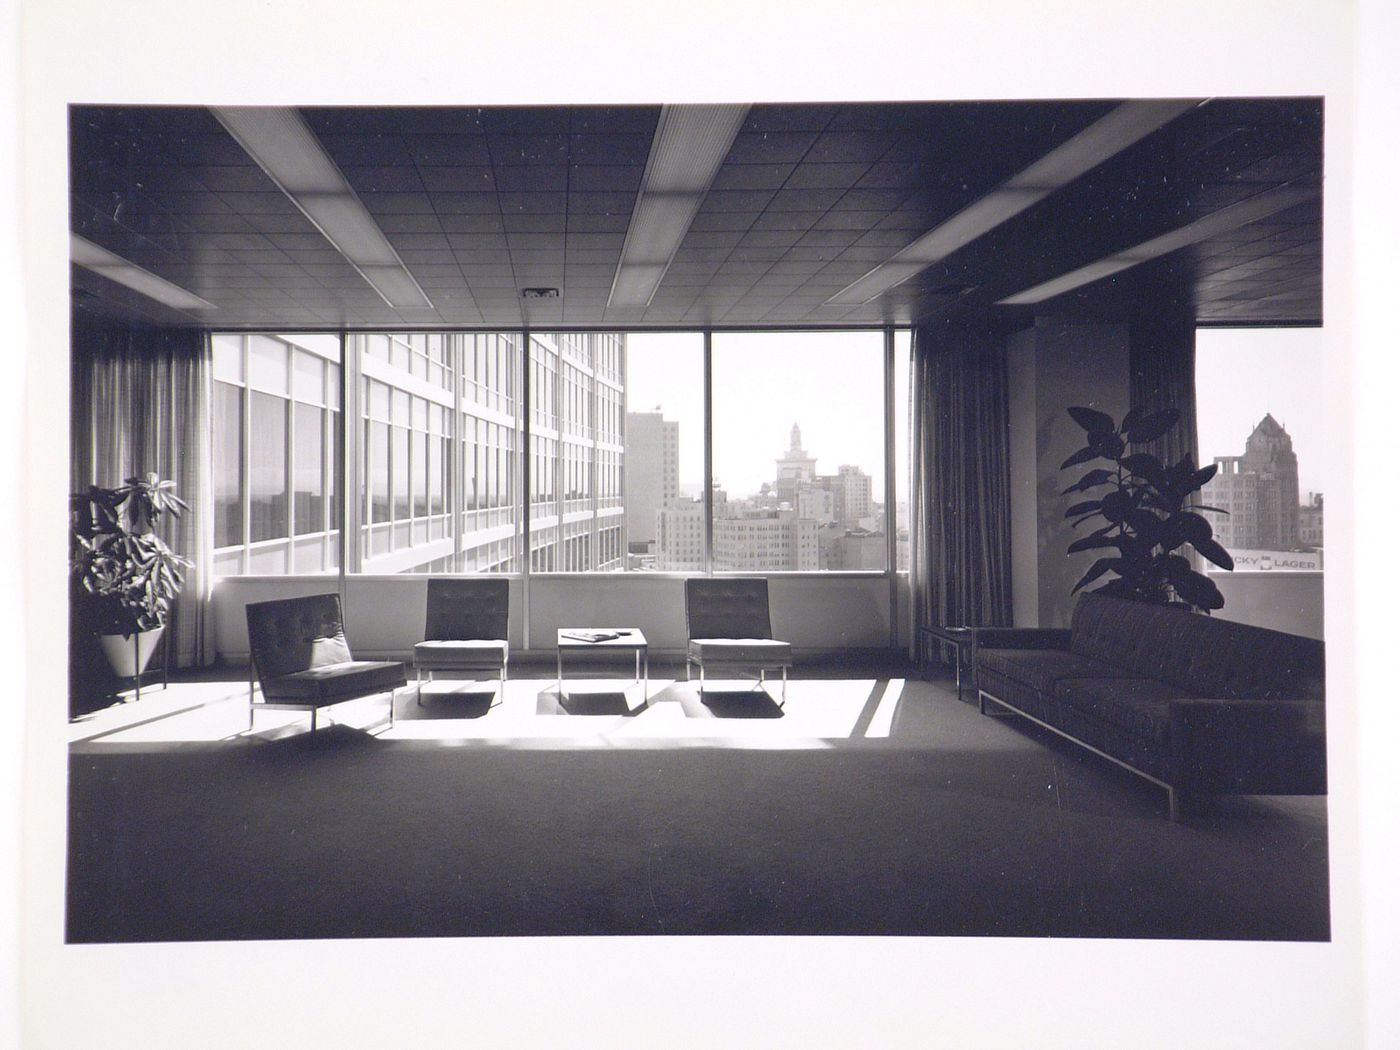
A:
{"x":651,"y":475}
{"x":794,"y":468}
{"x":434,"y":424}
{"x":1259,"y":490}
{"x":852,"y":495}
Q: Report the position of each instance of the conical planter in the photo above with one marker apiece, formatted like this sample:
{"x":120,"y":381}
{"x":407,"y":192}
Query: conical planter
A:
{"x":122,"y":651}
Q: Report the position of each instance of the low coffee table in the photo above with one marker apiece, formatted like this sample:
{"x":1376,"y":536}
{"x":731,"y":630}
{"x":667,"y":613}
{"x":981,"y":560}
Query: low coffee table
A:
{"x":603,"y":639}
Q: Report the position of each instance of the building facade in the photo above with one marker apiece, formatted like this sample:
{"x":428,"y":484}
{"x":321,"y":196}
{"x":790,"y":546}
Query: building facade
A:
{"x":651,"y":475}
{"x":1259,"y":490}
{"x":435,"y":452}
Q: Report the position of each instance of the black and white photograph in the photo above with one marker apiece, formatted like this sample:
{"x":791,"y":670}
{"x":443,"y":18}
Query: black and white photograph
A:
{"x":572,"y":560}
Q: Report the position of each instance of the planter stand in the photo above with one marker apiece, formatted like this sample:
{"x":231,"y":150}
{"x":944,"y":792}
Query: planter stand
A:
{"x":110,"y":643}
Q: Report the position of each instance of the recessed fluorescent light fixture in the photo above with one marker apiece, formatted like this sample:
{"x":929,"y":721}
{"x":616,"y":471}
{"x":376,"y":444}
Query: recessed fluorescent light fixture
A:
{"x":99,"y":260}
{"x":690,"y":144}
{"x":1260,"y":206}
{"x":284,"y":147}
{"x":1111,"y":134}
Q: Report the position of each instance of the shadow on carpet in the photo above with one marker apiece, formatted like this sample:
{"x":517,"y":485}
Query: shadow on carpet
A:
{"x":353,"y":837}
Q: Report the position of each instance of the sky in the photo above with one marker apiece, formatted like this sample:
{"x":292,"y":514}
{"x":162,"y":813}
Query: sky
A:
{"x":1243,"y":374}
{"x":831,"y":384}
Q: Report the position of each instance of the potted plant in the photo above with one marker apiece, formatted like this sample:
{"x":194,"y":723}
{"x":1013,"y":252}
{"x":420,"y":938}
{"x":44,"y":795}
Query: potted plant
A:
{"x":119,"y":558}
{"x":1147,"y":519}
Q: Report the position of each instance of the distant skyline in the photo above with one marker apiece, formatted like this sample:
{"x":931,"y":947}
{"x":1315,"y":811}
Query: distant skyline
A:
{"x":831,"y":384}
{"x":1242,"y":374}
{"x":765,"y":382}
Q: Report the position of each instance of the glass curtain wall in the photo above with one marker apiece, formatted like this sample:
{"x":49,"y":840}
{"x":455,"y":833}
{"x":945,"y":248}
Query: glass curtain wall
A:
{"x":616,"y":452}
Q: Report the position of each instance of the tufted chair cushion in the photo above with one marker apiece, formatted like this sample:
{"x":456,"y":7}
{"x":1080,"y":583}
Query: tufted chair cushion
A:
{"x":299,"y":653}
{"x":727,"y":608}
{"x":468,"y":609}
{"x":296,"y":634}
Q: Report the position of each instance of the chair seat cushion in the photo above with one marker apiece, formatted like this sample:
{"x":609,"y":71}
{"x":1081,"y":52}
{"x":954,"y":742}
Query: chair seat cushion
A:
{"x":460,"y":654}
{"x":330,"y":683}
{"x":754,"y":652}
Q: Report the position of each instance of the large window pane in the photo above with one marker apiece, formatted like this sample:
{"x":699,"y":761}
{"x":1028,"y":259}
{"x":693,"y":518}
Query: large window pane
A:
{"x":902,"y":477}
{"x":228,"y":465}
{"x":1259,"y":419}
{"x":1260,"y":422}
{"x":432,"y":414}
{"x":575,"y":376}
{"x":399,"y":452}
{"x":308,"y":469}
{"x":798,"y":423}
{"x":273,"y":464}
{"x":267,"y":469}
{"x":378,"y":472}
{"x":659,"y":475}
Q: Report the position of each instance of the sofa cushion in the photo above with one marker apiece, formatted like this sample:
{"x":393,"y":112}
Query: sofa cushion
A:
{"x":753,"y":652}
{"x":329,"y":682}
{"x":1142,"y":753}
{"x":1141,"y":639}
{"x":1139,"y":707}
{"x":1204,"y":655}
{"x":1040,"y":669}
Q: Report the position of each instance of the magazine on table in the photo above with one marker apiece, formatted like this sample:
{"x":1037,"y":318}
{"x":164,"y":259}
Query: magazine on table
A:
{"x":591,"y":636}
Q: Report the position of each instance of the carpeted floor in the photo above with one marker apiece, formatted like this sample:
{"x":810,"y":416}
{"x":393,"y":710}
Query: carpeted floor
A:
{"x":942,"y":823}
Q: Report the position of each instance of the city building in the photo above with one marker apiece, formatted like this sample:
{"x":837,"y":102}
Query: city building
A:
{"x":439,"y":428}
{"x":651,"y":475}
{"x":1259,"y":490}
{"x":852,"y":496}
{"x":680,"y":537}
{"x":1310,"y":521}
{"x":765,"y":541}
{"x":794,"y":468}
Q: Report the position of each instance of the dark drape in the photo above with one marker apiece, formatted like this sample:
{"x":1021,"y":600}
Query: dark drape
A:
{"x":960,"y":559}
{"x":1162,"y":374}
{"x":140,"y":403}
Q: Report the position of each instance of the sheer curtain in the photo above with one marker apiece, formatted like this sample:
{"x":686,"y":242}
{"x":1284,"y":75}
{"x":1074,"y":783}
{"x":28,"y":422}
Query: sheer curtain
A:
{"x":960,"y":556}
{"x":140,"y":399}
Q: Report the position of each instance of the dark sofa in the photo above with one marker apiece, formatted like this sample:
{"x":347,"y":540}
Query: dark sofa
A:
{"x":1199,"y":705}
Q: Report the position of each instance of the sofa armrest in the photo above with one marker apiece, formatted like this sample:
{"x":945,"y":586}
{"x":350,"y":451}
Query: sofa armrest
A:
{"x":1261,"y":747}
{"x":1022,"y":638}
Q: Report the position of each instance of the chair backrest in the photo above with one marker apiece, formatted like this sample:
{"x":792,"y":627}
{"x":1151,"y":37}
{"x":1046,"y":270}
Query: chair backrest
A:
{"x":727,"y":608}
{"x":295,"y":634}
{"x":467,"y":608}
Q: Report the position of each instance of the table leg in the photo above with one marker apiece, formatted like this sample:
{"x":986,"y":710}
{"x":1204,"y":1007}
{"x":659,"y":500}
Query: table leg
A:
{"x":559,"y":669}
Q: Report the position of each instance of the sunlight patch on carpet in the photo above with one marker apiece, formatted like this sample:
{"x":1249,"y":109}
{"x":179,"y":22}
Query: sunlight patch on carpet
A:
{"x":530,"y":713}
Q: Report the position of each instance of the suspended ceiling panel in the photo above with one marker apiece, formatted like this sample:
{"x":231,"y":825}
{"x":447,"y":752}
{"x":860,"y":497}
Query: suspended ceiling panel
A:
{"x":480,"y":204}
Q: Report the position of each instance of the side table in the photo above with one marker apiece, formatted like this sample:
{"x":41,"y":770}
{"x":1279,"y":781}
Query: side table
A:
{"x":611,"y":639}
{"x":960,"y":640}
